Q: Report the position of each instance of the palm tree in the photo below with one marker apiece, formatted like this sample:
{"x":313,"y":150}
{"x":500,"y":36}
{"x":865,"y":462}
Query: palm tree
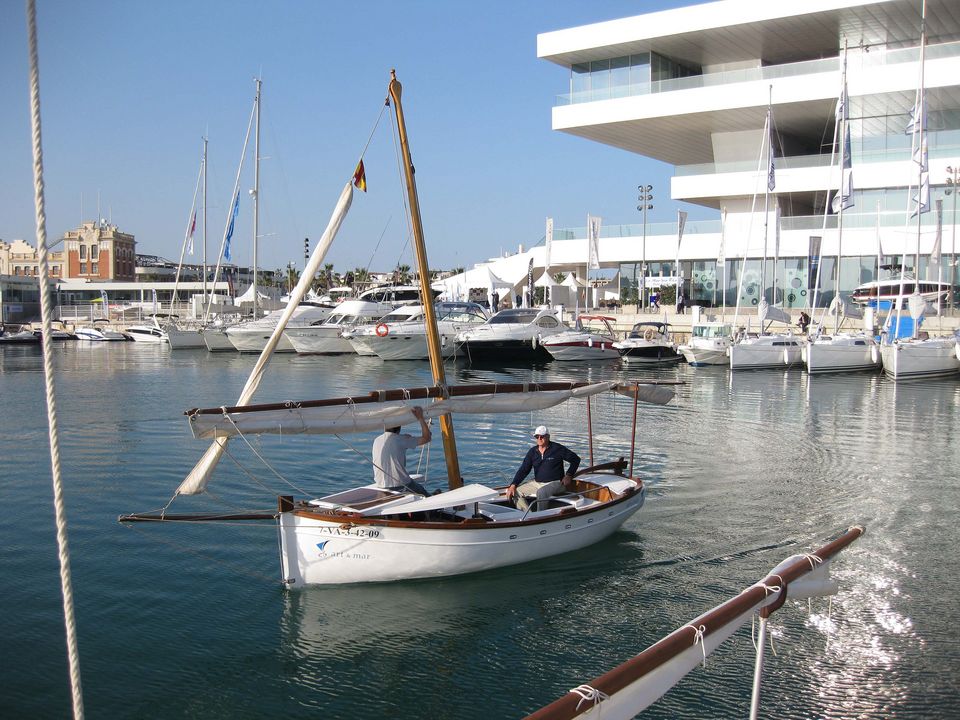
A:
{"x":559,"y":277}
{"x":402,"y":275}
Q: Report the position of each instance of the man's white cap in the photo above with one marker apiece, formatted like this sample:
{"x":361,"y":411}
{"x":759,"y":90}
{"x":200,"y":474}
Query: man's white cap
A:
{"x":541,"y":430}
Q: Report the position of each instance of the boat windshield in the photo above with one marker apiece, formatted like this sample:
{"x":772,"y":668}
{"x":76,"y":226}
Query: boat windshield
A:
{"x":461,"y":313}
{"x":515,"y":316}
{"x":711,"y":331}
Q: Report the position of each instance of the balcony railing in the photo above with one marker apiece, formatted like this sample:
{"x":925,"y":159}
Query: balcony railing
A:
{"x":876,"y":58}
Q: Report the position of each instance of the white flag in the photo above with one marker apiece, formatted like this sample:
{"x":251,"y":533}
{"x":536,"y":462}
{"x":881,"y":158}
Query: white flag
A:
{"x":681,"y":223}
{"x":593,"y":235}
{"x":548,"y":243}
{"x":723,"y":224}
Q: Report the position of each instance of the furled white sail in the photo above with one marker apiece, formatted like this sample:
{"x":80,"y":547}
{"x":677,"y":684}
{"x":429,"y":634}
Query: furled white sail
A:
{"x":844,"y":308}
{"x":196,"y":481}
{"x":355,"y":418}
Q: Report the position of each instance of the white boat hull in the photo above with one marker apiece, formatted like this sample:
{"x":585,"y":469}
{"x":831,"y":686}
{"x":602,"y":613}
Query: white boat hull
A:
{"x":146,"y":334}
{"x":912,"y":359}
{"x":180,"y":339}
{"x":581,"y":350}
{"x":412,"y":346}
{"x":780,"y":353}
{"x":321,"y":552}
{"x":318,"y":340}
{"x":254,"y":340}
{"x":841,"y":354}
{"x":713,"y":353}
{"x":216,"y":340}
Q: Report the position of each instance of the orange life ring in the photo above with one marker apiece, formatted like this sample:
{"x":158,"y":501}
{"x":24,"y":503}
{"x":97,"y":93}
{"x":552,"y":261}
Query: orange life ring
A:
{"x":382,"y":330}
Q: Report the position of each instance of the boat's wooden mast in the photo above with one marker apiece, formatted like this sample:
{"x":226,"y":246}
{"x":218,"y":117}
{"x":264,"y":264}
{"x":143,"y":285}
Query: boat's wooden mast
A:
{"x":433,"y":336}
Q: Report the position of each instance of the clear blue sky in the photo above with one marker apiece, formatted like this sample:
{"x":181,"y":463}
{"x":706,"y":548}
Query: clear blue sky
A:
{"x":128,"y":90}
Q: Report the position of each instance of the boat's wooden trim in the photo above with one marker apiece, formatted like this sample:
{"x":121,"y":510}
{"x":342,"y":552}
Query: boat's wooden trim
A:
{"x":658,"y":654}
{"x":345,"y":518}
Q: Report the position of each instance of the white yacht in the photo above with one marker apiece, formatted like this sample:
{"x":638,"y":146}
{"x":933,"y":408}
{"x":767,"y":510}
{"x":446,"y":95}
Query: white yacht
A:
{"x":709,"y":344}
{"x":100,"y":332}
{"x":841,"y":352}
{"x":252,"y":336}
{"x":772,"y":350}
{"x":649,"y":343}
{"x":325,"y":337}
{"x":592,"y":338}
{"x":913,"y":358}
{"x":147,"y":333}
{"x":363,"y":337}
{"x":890,"y":289}
{"x":514,"y":334}
{"x":407,"y":340}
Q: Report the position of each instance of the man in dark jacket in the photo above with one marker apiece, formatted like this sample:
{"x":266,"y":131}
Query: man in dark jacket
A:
{"x":546,"y":460}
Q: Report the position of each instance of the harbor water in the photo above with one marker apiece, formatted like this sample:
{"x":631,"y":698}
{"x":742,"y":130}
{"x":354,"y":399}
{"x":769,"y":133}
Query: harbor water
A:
{"x":743,"y":470}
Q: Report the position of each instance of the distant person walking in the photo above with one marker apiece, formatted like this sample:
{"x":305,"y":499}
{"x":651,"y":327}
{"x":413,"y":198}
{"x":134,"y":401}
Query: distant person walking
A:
{"x":681,"y":303}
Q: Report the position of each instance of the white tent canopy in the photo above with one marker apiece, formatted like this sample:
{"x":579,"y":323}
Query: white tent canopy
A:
{"x":248,"y":296}
{"x":573,"y":282}
{"x":545,"y":280}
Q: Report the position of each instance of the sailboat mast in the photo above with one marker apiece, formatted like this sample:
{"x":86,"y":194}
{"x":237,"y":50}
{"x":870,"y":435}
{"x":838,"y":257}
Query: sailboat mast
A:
{"x":204,"y":219}
{"x":256,"y":198}
{"x":844,"y":149}
{"x":433,"y":336}
{"x":768,"y":131}
{"x":921,"y":150}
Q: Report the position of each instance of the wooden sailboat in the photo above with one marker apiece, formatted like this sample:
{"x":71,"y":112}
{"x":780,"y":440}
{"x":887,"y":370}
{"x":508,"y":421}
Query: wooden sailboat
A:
{"x":369,"y":534}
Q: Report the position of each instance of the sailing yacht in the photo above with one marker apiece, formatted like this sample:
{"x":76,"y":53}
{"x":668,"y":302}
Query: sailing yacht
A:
{"x":370,"y":534}
{"x":917,"y":356}
{"x":841,"y":351}
{"x":751,"y":351}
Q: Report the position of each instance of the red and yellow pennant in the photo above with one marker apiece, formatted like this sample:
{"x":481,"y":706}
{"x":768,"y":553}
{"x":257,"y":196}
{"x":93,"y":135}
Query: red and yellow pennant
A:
{"x":360,"y":176}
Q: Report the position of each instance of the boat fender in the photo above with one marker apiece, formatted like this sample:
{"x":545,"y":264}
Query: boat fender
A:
{"x":648,"y":334}
{"x":534,"y":341}
{"x":383,"y":330}
{"x":590,"y":342}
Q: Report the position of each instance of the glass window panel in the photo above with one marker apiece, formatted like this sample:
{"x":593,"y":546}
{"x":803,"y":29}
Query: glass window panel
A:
{"x":580,"y":78}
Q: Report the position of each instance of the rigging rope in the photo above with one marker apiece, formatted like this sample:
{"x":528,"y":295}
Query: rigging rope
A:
{"x":46,"y":312}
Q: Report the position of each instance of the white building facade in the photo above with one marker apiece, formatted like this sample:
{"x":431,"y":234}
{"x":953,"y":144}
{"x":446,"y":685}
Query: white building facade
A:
{"x":691,"y":87}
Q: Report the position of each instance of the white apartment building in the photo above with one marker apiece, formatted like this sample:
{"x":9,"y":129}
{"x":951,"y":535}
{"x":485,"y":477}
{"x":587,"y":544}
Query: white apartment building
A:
{"x":691,"y":87}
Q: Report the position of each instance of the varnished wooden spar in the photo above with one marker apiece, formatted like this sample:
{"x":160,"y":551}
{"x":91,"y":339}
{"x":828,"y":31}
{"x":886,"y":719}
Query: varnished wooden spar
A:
{"x":204,"y":517}
{"x":572,"y":705}
{"x":421,"y":393}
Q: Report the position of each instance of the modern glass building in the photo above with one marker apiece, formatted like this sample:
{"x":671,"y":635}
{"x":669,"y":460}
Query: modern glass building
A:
{"x":691,"y":87}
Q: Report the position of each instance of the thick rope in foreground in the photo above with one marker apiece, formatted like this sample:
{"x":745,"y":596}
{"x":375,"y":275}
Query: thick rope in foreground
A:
{"x":46,"y":311}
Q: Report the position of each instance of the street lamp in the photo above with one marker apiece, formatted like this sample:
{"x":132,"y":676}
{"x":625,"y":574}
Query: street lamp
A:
{"x":953,"y":172}
{"x":644,"y":196}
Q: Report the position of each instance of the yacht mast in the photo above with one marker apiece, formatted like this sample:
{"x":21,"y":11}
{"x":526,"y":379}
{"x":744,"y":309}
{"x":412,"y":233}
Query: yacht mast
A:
{"x":204,"y":163}
{"x":256,"y":198}
{"x":433,"y":336}
{"x":845,"y":158}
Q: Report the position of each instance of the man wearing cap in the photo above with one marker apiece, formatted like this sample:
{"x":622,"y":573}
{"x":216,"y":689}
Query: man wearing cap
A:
{"x":546,"y":460}
{"x":390,"y":456}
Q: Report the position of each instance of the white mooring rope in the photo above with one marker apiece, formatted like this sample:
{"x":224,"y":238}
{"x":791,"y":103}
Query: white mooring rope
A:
{"x":46,"y":312}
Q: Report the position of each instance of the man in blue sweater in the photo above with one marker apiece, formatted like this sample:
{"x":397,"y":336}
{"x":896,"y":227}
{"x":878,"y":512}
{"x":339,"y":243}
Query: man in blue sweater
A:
{"x":546,"y":460}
